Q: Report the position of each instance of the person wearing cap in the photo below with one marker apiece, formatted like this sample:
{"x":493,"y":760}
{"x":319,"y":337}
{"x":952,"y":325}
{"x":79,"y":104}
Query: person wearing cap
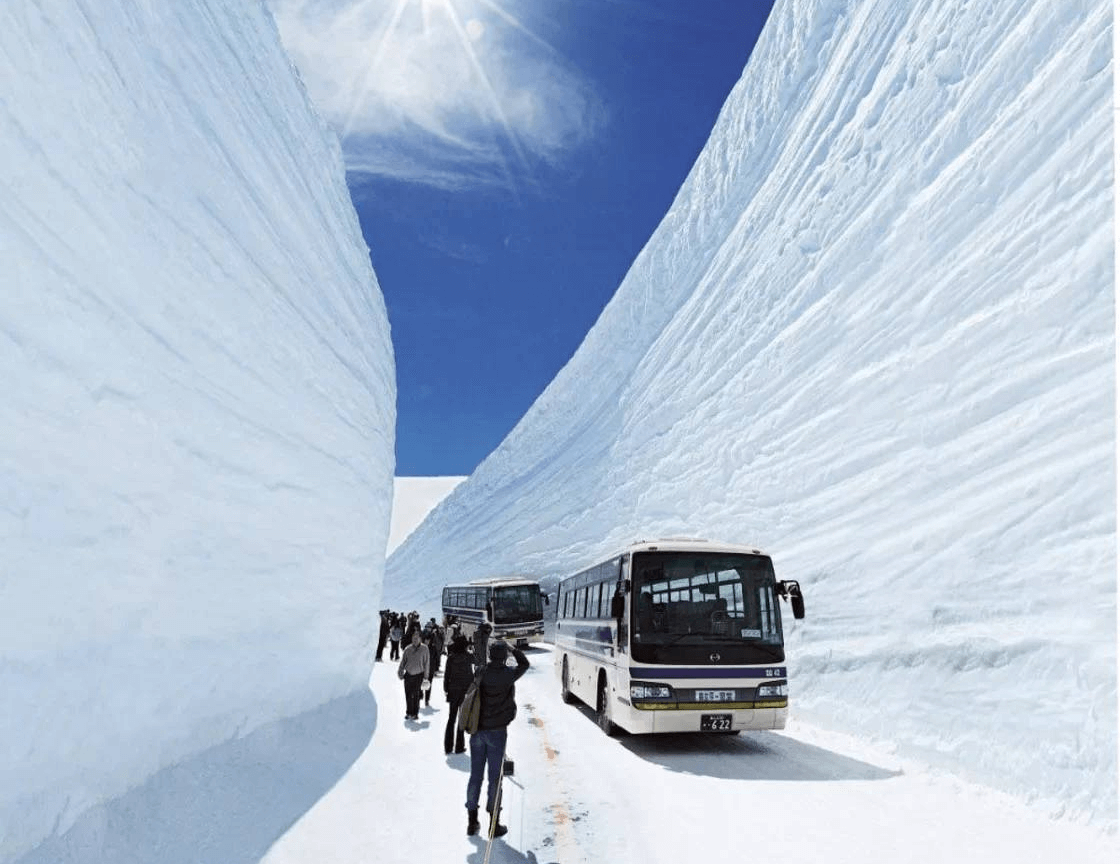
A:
{"x":457,"y":678}
{"x":488,"y":744}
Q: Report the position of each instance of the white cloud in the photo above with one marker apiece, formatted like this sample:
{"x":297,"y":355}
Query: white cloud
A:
{"x":445,"y":92}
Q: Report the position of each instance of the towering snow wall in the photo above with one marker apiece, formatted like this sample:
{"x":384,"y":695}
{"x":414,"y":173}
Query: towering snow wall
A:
{"x":196,"y":429}
{"x":874,"y":334}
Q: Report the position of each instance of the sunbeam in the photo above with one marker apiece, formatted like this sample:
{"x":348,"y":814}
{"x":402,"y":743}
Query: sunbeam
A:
{"x":431,"y":90}
{"x":492,"y":98}
{"x":362,"y":88}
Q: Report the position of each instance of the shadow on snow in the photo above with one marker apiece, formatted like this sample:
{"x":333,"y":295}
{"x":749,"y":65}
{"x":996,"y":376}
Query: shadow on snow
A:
{"x":229,"y":803}
{"x":760,"y":755}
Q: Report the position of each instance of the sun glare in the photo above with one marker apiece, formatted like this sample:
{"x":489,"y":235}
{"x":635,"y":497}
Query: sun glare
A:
{"x":457,"y":39}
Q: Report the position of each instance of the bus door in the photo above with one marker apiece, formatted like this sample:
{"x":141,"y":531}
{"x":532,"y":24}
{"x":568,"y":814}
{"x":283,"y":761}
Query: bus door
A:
{"x":620,"y":605}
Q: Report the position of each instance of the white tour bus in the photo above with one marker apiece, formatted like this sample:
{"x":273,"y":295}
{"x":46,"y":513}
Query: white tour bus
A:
{"x":514,"y":608}
{"x":677,"y":636}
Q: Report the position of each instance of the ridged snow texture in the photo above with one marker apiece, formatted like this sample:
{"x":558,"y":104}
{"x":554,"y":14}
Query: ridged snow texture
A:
{"x":874,"y":334}
{"x":196,"y":430}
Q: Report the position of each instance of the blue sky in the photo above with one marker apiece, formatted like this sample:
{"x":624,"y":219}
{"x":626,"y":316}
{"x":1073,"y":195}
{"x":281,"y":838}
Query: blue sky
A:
{"x":507,"y":162}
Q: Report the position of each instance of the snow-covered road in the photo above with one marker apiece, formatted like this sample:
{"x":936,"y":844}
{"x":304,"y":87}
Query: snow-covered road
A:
{"x":800,"y":796}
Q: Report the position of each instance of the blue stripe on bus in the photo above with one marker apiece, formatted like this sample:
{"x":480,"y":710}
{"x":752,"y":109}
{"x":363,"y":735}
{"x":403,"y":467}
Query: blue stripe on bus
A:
{"x":705,"y":672}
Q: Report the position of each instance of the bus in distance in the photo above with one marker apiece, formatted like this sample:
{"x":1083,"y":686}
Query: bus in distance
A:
{"x":676,"y":636}
{"x":513,"y":607}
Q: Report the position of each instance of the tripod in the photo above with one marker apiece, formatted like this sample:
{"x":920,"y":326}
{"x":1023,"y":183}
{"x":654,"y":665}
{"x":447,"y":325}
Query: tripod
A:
{"x":507,"y":768}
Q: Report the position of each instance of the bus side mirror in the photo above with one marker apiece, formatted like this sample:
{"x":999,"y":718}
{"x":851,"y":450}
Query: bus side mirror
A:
{"x":618,"y":606}
{"x":791,"y":590}
{"x":544,"y":597}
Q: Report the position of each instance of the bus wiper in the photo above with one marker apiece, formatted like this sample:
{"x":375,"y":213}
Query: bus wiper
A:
{"x":673,"y":640}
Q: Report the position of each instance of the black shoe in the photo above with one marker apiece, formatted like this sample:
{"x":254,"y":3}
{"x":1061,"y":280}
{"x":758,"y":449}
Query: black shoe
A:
{"x":497,"y":829}
{"x":472,"y":822}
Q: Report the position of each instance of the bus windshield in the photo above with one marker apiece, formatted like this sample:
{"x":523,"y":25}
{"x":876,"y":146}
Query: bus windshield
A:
{"x":699,"y":597}
{"x":514,"y":604}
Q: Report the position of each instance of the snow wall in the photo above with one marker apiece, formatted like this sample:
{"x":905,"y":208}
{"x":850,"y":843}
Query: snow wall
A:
{"x":875,"y":335}
{"x":196,"y":430}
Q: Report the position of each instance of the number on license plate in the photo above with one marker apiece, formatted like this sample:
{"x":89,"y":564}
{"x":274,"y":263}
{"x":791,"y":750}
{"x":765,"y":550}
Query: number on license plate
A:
{"x":715,"y":722}
{"x":715,"y":695}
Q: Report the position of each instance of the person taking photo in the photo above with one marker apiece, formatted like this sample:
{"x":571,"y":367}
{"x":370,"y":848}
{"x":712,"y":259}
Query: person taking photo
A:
{"x":497,"y":709}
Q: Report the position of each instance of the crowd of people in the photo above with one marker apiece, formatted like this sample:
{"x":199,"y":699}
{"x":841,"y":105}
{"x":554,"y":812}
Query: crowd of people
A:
{"x":467,"y":660}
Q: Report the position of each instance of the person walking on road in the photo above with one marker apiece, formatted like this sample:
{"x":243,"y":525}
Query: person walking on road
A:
{"x":395,"y":633}
{"x":481,"y":640}
{"x":488,"y":744}
{"x":426,"y":692}
{"x":457,"y":678}
{"x":413,"y":670}
{"x":382,"y":633}
{"x":438,"y":644}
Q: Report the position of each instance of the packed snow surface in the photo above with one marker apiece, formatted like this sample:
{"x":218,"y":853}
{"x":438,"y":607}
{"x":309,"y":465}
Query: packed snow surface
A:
{"x":875,"y":335}
{"x":196,"y":430}
{"x":800,"y":796}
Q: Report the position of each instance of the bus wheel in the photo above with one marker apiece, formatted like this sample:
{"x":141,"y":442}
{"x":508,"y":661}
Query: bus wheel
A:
{"x":603,"y":709}
{"x":565,"y":688}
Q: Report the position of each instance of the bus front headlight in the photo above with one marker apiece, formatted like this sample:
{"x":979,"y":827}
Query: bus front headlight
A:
{"x":773,"y":690}
{"x":642,"y":690}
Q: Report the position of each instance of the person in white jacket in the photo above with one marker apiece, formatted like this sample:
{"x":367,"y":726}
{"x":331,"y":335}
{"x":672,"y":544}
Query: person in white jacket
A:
{"x":413,"y":670}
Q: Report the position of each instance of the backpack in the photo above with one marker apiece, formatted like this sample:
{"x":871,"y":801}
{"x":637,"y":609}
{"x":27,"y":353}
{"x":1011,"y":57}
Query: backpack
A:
{"x":471,"y":710}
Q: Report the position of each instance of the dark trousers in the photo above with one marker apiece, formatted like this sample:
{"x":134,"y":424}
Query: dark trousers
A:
{"x":453,"y":706}
{"x":381,"y":640}
{"x":395,"y":649}
{"x":487,"y":748}
{"x":412,"y":693}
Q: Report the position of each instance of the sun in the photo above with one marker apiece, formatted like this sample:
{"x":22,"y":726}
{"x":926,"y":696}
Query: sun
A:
{"x":466,"y":25}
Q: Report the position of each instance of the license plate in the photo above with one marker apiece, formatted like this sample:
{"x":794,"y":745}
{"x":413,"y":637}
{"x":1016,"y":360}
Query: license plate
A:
{"x":715,"y":722}
{"x":715,"y":695}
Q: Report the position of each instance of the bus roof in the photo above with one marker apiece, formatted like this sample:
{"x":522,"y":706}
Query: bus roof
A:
{"x":689,"y":544}
{"x":496,"y":581}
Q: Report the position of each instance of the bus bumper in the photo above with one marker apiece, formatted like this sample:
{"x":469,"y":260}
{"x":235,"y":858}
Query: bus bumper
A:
{"x":689,"y":720}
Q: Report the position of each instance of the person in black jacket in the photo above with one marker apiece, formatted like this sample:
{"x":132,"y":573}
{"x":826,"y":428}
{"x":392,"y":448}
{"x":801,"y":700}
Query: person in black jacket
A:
{"x":457,"y":678}
{"x":383,"y":633}
{"x":488,"y":744}
{"x":481,"y":640}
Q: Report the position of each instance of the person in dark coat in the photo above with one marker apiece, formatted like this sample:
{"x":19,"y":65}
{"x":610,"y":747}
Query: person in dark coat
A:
{"x":457,"y":678}
{"x":435,"y":649}
{"x":438,"y":645}
{"x":383,"y":633}
{"x":481,"y":640}
{"x":412,"y":625}
{"x":488,"y":743}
